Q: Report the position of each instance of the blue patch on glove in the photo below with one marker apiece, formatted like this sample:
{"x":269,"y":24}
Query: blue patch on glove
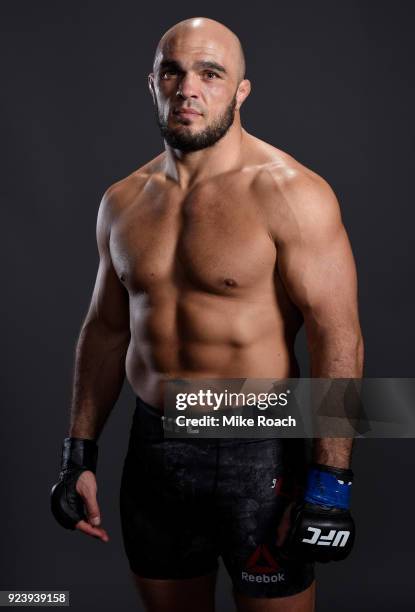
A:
{"x":327,"y":488}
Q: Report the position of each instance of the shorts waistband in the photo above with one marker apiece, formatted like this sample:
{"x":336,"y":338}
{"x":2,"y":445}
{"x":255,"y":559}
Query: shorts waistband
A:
{"x":150,"y":410}
{"x":147,"y":421}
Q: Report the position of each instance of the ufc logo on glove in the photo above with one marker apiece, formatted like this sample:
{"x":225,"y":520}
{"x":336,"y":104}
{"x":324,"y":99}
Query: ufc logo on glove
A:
{"x":328,"y":540}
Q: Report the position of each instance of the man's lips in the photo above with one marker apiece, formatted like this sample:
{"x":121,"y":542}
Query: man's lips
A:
{"x":186,"y":111}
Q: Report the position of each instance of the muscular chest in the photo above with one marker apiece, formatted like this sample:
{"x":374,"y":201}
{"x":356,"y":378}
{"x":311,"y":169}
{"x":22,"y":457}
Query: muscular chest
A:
{"x":214,"y":239}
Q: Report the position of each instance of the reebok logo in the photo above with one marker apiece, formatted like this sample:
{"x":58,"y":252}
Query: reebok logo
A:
{"x":261,"y":561}
{"x":262,"y":567}
{"x":265,"y":578}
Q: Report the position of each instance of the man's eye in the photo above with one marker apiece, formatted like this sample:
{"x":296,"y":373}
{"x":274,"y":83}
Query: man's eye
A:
{"x":209,"y":73}
{"x":166,"y":73}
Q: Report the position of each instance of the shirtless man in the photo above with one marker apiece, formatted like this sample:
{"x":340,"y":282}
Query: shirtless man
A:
{"x":212,"y":255}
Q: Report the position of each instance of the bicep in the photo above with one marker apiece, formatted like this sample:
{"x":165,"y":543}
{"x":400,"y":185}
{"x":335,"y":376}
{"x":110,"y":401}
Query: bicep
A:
{"x":110,"y":301}
{"x":317,"y":267}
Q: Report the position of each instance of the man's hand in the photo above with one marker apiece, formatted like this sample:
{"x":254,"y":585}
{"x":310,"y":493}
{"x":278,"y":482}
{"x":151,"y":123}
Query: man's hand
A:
{"x":319,"y":533}
{"x":86,"y":487}
{"x":74,"y":497}
{"x":319,"y":527}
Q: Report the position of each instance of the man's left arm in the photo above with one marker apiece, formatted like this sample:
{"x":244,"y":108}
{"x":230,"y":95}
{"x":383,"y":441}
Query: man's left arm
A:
{"x":316,"y":265}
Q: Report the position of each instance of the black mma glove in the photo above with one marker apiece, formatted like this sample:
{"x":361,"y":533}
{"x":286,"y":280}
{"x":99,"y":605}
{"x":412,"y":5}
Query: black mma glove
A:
{"x":78,"y":455}
{"x":322,"y":528}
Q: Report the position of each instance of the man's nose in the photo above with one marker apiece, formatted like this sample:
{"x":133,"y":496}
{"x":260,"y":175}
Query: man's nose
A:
{"x":188,"y":86}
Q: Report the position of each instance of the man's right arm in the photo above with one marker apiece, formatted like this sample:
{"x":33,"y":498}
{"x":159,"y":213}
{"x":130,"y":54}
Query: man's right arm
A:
{"x":103,"y":340}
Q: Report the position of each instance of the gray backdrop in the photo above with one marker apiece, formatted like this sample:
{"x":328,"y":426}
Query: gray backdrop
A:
{"x":333,"y":86}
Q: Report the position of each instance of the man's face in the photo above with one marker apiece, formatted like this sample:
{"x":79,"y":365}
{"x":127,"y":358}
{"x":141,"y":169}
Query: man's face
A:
{"x":193,"y":77}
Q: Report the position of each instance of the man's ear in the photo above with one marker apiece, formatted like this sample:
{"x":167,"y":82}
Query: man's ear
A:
{"x":242,"y":93}
{"x":151,"y":86}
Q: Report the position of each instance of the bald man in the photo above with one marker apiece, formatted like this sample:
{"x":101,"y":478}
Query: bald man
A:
{"x":212,"y":255}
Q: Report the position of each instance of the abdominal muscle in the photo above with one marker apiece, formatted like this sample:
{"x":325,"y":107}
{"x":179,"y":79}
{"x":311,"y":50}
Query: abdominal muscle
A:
{"x":199,"y":335}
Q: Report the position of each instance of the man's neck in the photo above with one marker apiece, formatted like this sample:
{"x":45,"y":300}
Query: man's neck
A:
{"x":187,"y":169}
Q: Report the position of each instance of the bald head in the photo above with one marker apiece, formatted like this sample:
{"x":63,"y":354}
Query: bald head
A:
{"x":198,"y":84}
{"x":207,"y":34}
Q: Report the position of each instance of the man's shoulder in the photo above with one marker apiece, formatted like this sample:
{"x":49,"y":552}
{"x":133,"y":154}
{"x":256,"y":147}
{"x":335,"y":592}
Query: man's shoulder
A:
{"x":282,"y":172}
{"x":127,"y":190}
{"x":294,"y":195}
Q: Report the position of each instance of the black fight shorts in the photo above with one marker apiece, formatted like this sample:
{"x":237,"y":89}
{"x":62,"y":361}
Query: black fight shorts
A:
{"x":186,"y":502}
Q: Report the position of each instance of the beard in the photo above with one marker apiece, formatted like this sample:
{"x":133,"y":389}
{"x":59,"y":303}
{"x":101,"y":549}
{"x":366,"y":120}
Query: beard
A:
{"x":185,"y":140}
